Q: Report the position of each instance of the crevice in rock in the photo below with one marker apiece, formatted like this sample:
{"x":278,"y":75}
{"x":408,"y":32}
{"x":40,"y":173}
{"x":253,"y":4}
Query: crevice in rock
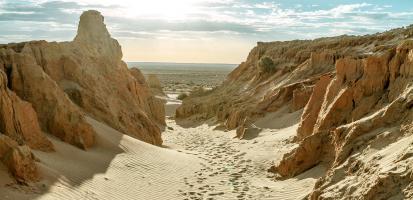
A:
{"x":386,"y":84}
{"x":17,"y":47}
{"x":9,"y":70}
{"x":354,"y":104}
{"x":75,"y":96}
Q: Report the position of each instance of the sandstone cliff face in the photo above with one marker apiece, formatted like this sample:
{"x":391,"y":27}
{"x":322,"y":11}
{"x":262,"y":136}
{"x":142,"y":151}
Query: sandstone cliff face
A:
{"x":297,"y":66}
{"x":356,"y":97}
{"x":51,"y":87}
{"x":83,"y":76}
{"x":367,"y":106}
{"x":155,"y":85}
{"x":18,"y":159}
{"x":18,"y":120}
{"x":19,"y":126}
{"x":57,"y":114}
{"x":146,"y":96}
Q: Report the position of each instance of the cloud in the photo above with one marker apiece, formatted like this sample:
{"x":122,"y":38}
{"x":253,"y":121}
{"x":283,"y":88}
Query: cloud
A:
{"x":258,"y":20}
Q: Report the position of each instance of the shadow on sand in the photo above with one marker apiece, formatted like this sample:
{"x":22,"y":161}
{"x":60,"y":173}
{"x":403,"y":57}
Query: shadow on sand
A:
{"x":69,"y":165}
{"x":251,"y":133}
{"x":196,"y":121}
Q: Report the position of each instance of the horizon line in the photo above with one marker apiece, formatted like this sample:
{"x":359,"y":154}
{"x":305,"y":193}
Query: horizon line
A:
{"x":182,"y":62}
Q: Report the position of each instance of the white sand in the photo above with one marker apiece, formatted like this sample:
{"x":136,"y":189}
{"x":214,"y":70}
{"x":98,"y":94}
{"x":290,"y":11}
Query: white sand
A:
{"x":237,"y":169}
{"x":170,"y":109}
{"x":119,"y":167}
{"x":196,"y":163}
{"x":172,"y":103}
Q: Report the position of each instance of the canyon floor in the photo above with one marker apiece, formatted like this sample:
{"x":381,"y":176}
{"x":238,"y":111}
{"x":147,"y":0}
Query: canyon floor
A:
{"x":331,"y":117}
{"x":198,"y":161}
{"x":237,"y":169}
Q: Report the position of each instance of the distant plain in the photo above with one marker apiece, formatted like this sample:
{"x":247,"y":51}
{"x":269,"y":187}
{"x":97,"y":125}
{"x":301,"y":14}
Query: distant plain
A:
{"x":182,"y":77}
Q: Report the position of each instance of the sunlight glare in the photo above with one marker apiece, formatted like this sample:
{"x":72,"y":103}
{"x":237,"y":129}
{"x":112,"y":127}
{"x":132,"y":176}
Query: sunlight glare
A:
{"x":160,"y":9}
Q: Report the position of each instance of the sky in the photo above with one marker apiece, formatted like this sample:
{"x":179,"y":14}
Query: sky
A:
{"x":201,"y":31}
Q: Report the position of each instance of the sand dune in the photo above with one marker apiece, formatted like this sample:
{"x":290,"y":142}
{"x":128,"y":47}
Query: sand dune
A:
{"x":329,"y":118}
{"x":195,"y":163}
{"x":119,"y":167}
{"x":197,"y":160}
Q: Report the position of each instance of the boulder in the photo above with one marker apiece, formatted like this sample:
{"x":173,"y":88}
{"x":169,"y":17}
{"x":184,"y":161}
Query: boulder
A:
{"x":18,"y":159}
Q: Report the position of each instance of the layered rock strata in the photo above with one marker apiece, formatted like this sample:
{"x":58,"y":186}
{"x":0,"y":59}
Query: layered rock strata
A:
{"x":50,"y":87}
{"x":355,"y":93}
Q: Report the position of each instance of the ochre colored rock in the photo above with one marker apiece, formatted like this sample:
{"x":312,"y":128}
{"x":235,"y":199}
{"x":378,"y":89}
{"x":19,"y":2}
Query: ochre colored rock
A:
{"x":300,"y":98}
{"x":18,"y":120}
{"x":155,"y":85}
{"x":95,"y":39}
{"x":299,"y":64}
{"x":357,"y":118}
{"x":18,"y":159}
{"x":56,"y":112}
{"x":138,"y":75}
{"x":147,"y":99}
{"x":312,"y":109}
{"x":154,"y":82}
{"x":85,"y":76}
{"x":235,"y":119}
{"x":308,"y":154}
{"x":21,"y":163}
{"x":365,"y":97}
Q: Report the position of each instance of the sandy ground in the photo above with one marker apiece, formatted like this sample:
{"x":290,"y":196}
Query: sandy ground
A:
{"x":172,"y":103}
{"x":119,"y":167}
{"x":237,"y":169}
{"x":197,"y":162}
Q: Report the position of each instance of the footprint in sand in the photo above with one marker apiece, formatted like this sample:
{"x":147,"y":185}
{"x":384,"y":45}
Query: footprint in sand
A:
{"x":216,"y":194}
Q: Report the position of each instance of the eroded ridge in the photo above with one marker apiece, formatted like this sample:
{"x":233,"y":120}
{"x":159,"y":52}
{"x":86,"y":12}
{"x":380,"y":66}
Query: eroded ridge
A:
{"x":51,"y":87}
{"x":355,"y":95}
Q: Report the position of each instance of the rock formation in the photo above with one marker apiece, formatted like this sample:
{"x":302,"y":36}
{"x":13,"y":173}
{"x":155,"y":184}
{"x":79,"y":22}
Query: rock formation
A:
{"x":56,"y":112}
{"x":52,"y":87}
{"x":356,"y":97}
{"x":155,"y":85}
{"x":18,"y":159}
{"x":18,"y":120}
{"x":19,"y":126}
{"x":146,"y":96}
{"x":83,"y":76}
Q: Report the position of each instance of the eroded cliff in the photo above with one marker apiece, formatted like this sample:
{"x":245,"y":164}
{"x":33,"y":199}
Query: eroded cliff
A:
{"x":50,"y":87}
{"x":355,"y":92}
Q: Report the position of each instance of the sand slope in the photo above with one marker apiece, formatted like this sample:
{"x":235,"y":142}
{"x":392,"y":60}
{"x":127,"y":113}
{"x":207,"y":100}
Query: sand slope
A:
{"x":197,"y":162}
{"x":237,"y":169}
{"x":119,"y":167}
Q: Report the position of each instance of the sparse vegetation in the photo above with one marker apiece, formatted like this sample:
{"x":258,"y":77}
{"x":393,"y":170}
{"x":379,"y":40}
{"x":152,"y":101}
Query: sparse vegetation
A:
{"x":197,"y":91}
{"x":182,"y":96}
{"x":266,"y":65}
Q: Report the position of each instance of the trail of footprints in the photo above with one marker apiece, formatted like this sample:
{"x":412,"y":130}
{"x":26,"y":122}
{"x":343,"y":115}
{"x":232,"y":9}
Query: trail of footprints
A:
{"x":224,"y":173}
